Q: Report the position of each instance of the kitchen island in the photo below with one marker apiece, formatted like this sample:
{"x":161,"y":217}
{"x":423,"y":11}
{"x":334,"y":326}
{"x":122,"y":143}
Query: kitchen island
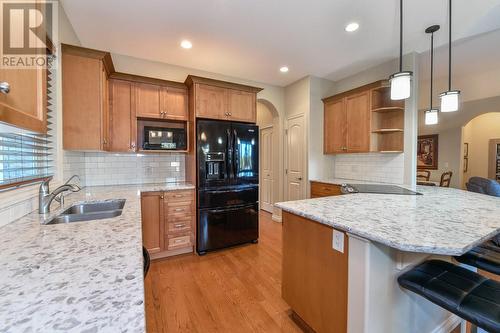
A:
{"x":354,"y":288}
{"x":76,"y":277}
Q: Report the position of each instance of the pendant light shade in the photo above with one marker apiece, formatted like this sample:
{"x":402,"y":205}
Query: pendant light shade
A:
{"x":400,"y":81}
{"x":432,"y":114}
{"x":450,"y":100}
{"x":400,"y":85}
{"x":431,"y":117}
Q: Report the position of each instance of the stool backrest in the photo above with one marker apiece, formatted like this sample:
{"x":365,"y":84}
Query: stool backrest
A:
{"x":446,"y":179}
{"x":423,"y":175}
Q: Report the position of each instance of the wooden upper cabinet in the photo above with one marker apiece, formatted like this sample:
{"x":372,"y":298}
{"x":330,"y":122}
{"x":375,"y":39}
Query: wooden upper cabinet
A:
{"x":335,"y":127}
{"x":122,"y":122}
{"x":351,"y":120}
{"x":25,"y":105}
{"x":242,"y":106}
{"x":153,"y":225}
{"x":214,"y":99}
{"x":358,"y":122}
{"x":174,"y":103}
{"x":210,"y":102}
{"x":85,"y":98}
{"x":161,"y":102}
{"x":147,"y":100}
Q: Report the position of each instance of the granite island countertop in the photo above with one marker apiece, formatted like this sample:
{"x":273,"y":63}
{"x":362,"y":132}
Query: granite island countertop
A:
{"x":442,"y":221}
{"x":76,"y":277}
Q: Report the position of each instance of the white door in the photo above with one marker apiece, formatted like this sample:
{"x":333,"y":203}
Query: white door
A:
{"x":266,"y":162}
{"x":295,"y":152}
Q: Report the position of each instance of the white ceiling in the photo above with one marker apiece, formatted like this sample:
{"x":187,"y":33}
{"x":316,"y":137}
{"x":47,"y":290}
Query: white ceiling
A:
{"x":252,"y":39}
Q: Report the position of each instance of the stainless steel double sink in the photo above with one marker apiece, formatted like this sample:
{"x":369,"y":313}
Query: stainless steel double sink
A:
{"x":89,"y":211}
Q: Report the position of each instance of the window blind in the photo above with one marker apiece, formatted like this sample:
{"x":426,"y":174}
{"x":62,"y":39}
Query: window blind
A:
{"x":28,"y":157}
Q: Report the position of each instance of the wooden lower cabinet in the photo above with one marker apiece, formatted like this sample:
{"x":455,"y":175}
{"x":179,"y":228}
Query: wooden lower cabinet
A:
{"x":319,"y":189}
{"x":315,"y":276}
{"x":168,"y":222}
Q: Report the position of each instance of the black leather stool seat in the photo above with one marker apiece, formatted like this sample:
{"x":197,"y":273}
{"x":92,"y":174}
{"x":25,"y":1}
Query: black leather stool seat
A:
{"x":485,"y":256}
{"x":146,"y":261}
{"x":458,"y":290}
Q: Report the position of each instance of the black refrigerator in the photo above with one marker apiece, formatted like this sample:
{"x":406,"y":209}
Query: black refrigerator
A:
{"x":228,"y":184}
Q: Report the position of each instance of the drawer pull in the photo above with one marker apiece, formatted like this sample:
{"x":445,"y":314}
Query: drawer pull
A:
{"x":178,"y":195}
{"x":178,"y":241}
{"x":179,"y":209}
{"x":180,"y":225}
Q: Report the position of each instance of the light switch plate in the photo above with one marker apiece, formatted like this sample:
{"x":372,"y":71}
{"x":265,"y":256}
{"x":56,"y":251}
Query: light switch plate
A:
{"x":338,"y":241}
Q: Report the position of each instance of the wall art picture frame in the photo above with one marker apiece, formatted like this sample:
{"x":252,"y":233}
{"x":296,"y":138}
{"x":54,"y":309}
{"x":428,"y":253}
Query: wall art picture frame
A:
{"x":427,"y":152}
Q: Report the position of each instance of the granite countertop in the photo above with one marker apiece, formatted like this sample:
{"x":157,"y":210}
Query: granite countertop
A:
{"x":443,"y":221}
{"x":77,"y":277}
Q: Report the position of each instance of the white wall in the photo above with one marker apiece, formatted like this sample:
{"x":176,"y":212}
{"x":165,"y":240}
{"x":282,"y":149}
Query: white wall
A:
{"x":320,"y":166}
{"x":478,"y":133}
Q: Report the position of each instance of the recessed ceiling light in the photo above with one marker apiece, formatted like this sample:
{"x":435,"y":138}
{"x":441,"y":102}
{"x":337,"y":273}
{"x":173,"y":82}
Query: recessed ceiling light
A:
{"x":284,"y":69}
{"x":351,"y":27}
{"x":185,"y":44}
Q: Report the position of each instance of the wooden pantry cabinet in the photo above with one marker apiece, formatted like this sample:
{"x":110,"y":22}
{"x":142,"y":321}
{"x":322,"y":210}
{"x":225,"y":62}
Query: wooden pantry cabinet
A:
{"x":363,"y":120}
{"x":168,"y":222}
{"x":85,"y":98}
{"x":214,"y":99}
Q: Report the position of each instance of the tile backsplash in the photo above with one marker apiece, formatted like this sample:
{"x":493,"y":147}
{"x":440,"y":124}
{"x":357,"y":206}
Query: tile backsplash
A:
{"x":384,"y":168}
{"x":116,"y":169}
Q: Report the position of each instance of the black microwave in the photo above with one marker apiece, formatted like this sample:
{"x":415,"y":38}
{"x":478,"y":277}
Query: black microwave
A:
{"x":162,"y":138}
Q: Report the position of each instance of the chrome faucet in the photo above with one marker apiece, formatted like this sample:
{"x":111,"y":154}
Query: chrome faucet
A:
{"x":45,"y":197}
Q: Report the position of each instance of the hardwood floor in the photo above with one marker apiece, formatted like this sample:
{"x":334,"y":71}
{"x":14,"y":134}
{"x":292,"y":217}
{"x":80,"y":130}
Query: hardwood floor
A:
{"x":234,"y":290}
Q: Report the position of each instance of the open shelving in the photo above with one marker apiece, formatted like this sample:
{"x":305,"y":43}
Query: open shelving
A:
{"x":387,"y":122}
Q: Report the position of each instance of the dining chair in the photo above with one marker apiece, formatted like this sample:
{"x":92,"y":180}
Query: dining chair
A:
{"x":423,"y":175}
{"x":446,"y":179}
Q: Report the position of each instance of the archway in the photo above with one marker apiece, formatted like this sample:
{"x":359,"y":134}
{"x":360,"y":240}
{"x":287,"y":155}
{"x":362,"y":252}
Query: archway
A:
{"x":271,"y":150}
{"x":481,"y":147}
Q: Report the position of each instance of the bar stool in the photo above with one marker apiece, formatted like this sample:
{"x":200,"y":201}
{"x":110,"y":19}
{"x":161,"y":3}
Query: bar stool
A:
{"x":485,"y":256}
{"x":467,"y":294}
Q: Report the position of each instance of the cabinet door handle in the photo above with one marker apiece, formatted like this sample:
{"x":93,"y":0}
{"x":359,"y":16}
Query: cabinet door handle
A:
{"x":161,"y":197}
{"x":4,"y":87}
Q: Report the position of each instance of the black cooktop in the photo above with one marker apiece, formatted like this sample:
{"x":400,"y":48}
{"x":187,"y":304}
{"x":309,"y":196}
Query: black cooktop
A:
{"x":377,"y":189}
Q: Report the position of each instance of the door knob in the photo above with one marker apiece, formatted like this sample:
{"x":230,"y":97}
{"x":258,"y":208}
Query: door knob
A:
{"x":4,"y":87}
{"x":300,"y":178}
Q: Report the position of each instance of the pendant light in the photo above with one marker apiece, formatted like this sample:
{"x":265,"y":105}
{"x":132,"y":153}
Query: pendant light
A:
{"x":450,"y":98}
{"x":431,"y":115}
{"x":400,"y":81}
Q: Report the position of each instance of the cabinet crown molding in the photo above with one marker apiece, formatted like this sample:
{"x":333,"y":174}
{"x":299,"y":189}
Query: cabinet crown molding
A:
{"x":373,"y":85}
{"x":192,"y":79}
{"x":91,"y":53}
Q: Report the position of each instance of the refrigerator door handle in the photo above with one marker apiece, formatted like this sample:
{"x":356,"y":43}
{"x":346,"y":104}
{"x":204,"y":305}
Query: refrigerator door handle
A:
{"x":235,"y":153}
{"x":229,"y":152}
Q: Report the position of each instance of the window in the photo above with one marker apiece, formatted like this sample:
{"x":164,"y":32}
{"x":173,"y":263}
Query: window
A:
{"x":27,"y":157}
